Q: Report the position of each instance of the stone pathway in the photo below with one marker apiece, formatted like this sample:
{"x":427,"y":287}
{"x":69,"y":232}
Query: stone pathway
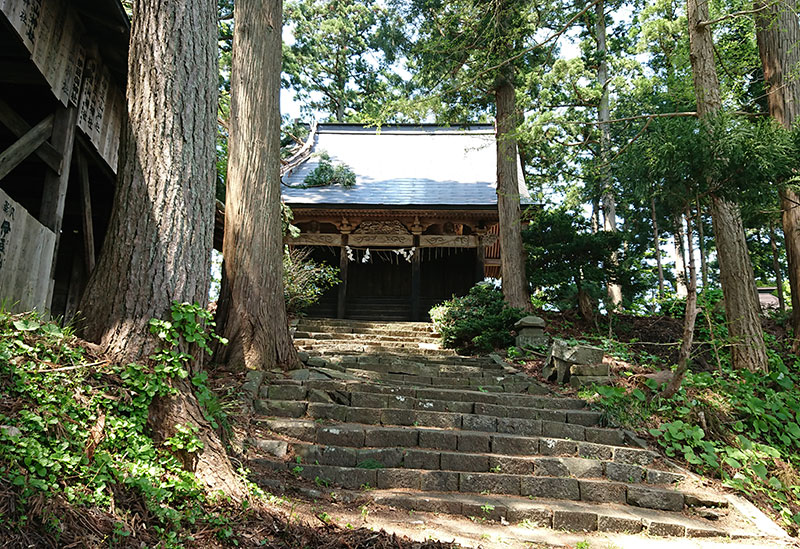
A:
{"x":383,"y":412}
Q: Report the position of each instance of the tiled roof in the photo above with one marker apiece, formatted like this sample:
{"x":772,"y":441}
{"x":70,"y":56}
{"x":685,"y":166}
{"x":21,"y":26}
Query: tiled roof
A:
{"x":403,"y":166}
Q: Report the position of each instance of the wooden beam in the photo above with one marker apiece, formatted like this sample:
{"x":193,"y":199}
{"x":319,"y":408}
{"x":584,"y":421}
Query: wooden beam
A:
{"x":54,"y":194}
{"x":25,"y":145}
{"x":19,"y":127}
{"x":341,"y":297}
{"x":480,"y":261}
{"x":86,"y":212}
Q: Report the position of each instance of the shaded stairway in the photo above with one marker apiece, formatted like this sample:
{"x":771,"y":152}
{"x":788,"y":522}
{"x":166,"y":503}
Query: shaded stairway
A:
{"x":382,"y":409}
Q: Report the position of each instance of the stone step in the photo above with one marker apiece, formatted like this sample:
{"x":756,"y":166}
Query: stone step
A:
{"x":532,"y":486}
{"x":342,"y":348}
{"x":573,"y":516}
{"x":365,"y":327}
{"x":367,"y":342}
{"x":394,"y":365}
{"x":345,"y":337}
{"x":531,"y":400}
{"x":408,"y":357}
{"x":595,"y":446}
{"x":443,"y":420}
{"x":509,"y":384}
{"x":379,"y":401}
{"x":447,"y":459}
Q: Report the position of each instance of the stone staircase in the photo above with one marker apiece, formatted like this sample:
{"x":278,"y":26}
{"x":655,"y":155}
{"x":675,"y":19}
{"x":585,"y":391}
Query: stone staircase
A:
{"x":382,"y":410}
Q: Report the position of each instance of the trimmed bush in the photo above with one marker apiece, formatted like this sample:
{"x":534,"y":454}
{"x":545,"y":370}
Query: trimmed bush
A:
{"x":480,"y":321}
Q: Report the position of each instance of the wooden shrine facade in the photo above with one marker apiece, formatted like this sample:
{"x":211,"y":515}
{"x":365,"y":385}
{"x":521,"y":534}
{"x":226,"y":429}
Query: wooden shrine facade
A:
{"x":395,"y":264}
{"x":62,"y":102}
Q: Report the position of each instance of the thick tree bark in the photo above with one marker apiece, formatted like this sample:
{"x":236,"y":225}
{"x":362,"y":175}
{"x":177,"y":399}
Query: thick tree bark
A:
{"x":689,"y":318}
{"x":736,"y":271}
{"x":778,"y":37}
{"x":251,"y":311}
{"x":158,"y":245}
{"x":680,"y":261}
{"x":515,"y":283}
{"x":657,"y":247}
{"x":603,"y":116}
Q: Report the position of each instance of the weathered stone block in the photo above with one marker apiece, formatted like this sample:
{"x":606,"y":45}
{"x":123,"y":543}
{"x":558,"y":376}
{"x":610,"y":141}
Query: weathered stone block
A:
{"x":574,"y":521}
{"x":315,"y":395}
{"x":602,"y":491}
{"x":553,"y":415}
{"x":339,"y":456}
{"x":665,"y":529}
{"x":399,"y":478}
{"x":283,"y":408}
{"x":473,"y":442}
{"x":511,"y":465}
{"x":633,"y":456}
{"x":341,"y":436}
{"x":441,"y":420}
{"x":652,"y":498}
{"x":519,"y":426}
{"x":441,"y":440}
{"x":612,"y":437}
{"x":323,"y":410}
{"x":664,"y":477}
{"x":554,"y":488}
{"x":586,"y":381}
{"x":550,"y":467}
{"x":398,"y":417}
{"x":252,"y":383}
{"x":421,"y":459}
{"x":489,"y":483}
{"x":368,"y":416}
{"x":277,"y":448}
{"x":465,"y":462}
{"x":556,"y":369}
{"x":569,"y":431}
{"x":590,"y":450}
{"x":388,"y":457}
{"x":530,"y":321}
{"x":286,"y":392}
{"x":598,"y":369}
{"x":576,"y":354}
{"x":383,"y":437}
{"x":621,"y":472}
{"x":556,"y":447}
{"x":587,"y":418}
{"x":519,"y":446}
{"x":619,"y":524}
{"x":368,"y":400}
{"x":439,"y":481}
{"x":535,"y":515}
{"x":479,"y":423}
{"x":583,"y":468}
{"x":354,"y":479}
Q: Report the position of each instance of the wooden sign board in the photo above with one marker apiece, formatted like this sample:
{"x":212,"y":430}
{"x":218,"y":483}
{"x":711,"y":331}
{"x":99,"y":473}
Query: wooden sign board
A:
{"x":26,"y":256}
{"x":52,"y":33}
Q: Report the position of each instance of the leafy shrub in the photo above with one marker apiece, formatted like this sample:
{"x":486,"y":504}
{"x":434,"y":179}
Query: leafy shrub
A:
{"x":304,"y":280}
{"x":477,"y":322}
{"x":326,"y":174}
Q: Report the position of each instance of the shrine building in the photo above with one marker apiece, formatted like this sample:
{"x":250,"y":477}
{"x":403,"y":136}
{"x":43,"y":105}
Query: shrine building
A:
{"x":418,"y":226}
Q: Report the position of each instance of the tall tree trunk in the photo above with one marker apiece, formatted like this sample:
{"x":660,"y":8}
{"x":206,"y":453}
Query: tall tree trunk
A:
{"x":776,"y":266}
{"x":251,"y":313}
{"x":158,"y":245}
{"x":657,"y":247}
{"x":736,"y":271}
{"x":680,"y":261}
{"x":778,"y":37}
{"x":689,"y":318}
{"x":515,"y":283}
{"x":603,"y":116}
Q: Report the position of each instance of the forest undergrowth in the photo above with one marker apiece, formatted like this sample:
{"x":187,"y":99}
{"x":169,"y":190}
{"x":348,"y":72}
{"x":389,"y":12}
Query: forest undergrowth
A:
{"x":79,"y":467}
{"x":737,"y":426}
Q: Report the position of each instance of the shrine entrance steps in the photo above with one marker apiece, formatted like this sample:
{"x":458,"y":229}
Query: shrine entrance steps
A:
{"x":382,"y":412}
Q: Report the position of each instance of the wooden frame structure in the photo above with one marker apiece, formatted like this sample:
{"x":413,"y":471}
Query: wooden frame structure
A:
{"x":62,"y":105}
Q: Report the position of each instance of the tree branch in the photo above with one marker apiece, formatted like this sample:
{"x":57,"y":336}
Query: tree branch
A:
{"x":702,"y":24}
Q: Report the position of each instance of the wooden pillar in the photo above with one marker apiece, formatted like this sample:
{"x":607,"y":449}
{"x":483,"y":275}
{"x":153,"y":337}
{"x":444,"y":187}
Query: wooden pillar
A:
{"x":341,"y":304}
{"x":54,"y":194}
{"x":416,"y":283}
{"x":86,"y":212}
{"x":480,"y":260}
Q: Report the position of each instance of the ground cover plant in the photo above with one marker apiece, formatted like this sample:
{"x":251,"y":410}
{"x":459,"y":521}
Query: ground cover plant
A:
{"x":740,"y":427}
